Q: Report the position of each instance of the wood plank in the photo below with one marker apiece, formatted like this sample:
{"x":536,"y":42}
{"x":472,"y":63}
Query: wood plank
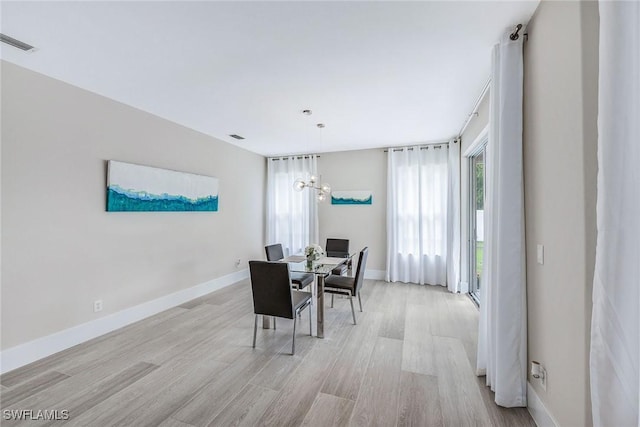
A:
{"x":417,"y":323}
{"x":394,"y":311}
{"x":278,"y":370}
{"x":31,"y":387}
{"x":172,"y":422}
{"x":417,"y":351}
{"x":419,"y":403}
{"x":442,"y":320}
{"x":421,"y":294}
{"x":192,"y":304}
{"x":329,"y":411}
{"x":377,"y":403}
{"x":372,"y":295}
{"x":155,"y":398}
{"x":247,"y":408}
{"x":419,"y":356}
{"x":298,"y":394}
{"x":465,"y":316}
{"x":338,"y":324}
{"x":200,"y":410}
{"x":460,"y":399}
{"x":345,"y":377}
{"x":85,"y":399}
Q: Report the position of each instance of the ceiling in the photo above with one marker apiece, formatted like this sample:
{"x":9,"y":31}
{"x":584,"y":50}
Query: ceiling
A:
{"x":377,"y":74}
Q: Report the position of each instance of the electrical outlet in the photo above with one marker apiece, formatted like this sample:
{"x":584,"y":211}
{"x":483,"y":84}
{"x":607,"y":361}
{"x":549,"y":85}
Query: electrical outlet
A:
{"x":97,"y":306}
{"x":538,"y":372}
{"x":540,"y":254}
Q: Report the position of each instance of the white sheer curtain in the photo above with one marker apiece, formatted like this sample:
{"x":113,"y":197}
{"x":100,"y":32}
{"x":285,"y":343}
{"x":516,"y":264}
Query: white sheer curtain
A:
{"x":502,"y":338}
{"x":615,"y":324}
{"x":417,"y":215}
{"x":453,"y":222}
{"x":292,"y":216}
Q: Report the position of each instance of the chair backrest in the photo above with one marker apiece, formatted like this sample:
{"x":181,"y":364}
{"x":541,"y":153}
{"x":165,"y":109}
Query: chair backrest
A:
{"x":274,"y":252}
{"x":337,"y":248}
{"x":362,"y":262}
{"x":271,"y":287}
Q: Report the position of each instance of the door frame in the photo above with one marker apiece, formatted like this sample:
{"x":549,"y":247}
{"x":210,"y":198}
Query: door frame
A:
{"x":472,"y":224}
{"x":465,"y":239}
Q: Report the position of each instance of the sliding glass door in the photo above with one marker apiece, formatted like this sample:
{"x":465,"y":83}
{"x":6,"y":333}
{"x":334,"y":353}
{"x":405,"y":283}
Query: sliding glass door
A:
{"x":476,"y":220}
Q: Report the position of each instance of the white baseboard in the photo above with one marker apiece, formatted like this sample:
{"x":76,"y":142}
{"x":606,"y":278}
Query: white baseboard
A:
{"x":538,"y":411}
{"x":374,"y":274}
{"x":31,"y":351}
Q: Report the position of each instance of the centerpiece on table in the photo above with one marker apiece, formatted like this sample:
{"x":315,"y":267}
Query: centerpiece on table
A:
{"x":313,"y":253}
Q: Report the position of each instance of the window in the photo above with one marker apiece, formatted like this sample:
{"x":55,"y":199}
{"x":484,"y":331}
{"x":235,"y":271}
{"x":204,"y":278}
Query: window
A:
{"x":418,"y":183}
{"x":292,"y":216}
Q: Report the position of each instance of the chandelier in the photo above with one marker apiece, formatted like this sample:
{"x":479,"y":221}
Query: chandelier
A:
{"x":323,"y":189}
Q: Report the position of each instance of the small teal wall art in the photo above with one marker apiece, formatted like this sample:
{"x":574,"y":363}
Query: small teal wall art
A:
{"x":136,"y":188}
{"x":351,"y":197}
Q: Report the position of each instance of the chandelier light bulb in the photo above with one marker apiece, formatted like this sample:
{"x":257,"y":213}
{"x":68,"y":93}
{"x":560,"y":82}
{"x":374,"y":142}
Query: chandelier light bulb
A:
{"x":299,"y":184}
{"x":313,"y":179}
{"x":326,"y":188}
{"x":321,"y":196}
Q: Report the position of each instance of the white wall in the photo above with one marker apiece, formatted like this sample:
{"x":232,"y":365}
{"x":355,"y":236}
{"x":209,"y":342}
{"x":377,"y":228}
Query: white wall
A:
{"x":560,"y":116}
{"x":61,"y":250}
{"x":363,"y":225}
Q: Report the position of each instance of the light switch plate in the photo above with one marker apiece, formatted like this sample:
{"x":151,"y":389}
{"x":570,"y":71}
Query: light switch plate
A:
{"x":97,"y":306}
{"x":540,"y":254}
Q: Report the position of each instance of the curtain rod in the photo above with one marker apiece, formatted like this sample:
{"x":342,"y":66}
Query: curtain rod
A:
{"x":422,"y":146}
{"x":474,"y":111}
{"x":305,"y":156}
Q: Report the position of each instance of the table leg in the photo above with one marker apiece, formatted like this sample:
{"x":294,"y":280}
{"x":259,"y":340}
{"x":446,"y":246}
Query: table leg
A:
{"x":320,"y":306}
{"x":266,"y":322}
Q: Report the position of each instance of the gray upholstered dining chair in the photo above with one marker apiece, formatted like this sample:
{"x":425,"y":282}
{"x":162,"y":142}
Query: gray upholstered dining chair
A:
{"x":273,"y":296}
{"x":338,"y":248}
{"x":349,"y":286}
{"x":299,"y":280}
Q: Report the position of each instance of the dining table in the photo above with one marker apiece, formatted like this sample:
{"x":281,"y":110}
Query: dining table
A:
{"x":321,"y":269}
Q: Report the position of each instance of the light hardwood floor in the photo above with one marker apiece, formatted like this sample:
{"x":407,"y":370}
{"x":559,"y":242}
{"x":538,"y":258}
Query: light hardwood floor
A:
{"x":409,"y":362}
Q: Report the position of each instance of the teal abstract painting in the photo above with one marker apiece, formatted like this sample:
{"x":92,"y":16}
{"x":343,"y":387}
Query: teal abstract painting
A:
{"x":351,"y":197}
{"x":137,"y":188}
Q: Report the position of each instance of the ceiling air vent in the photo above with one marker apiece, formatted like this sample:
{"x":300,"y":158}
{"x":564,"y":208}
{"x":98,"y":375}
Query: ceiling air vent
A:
{"x":234,"y":136}
{"x":16,"y":43}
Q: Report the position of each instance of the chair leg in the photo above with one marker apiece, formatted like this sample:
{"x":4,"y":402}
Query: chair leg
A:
{"x":274,"y":323}
{"x":353,"y":312}
{"x":255,"y":328}
{"x":309,"y":307}
{"x":331,"y":300}
{"x":359,"y":301}
{"x":293,"y":345}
